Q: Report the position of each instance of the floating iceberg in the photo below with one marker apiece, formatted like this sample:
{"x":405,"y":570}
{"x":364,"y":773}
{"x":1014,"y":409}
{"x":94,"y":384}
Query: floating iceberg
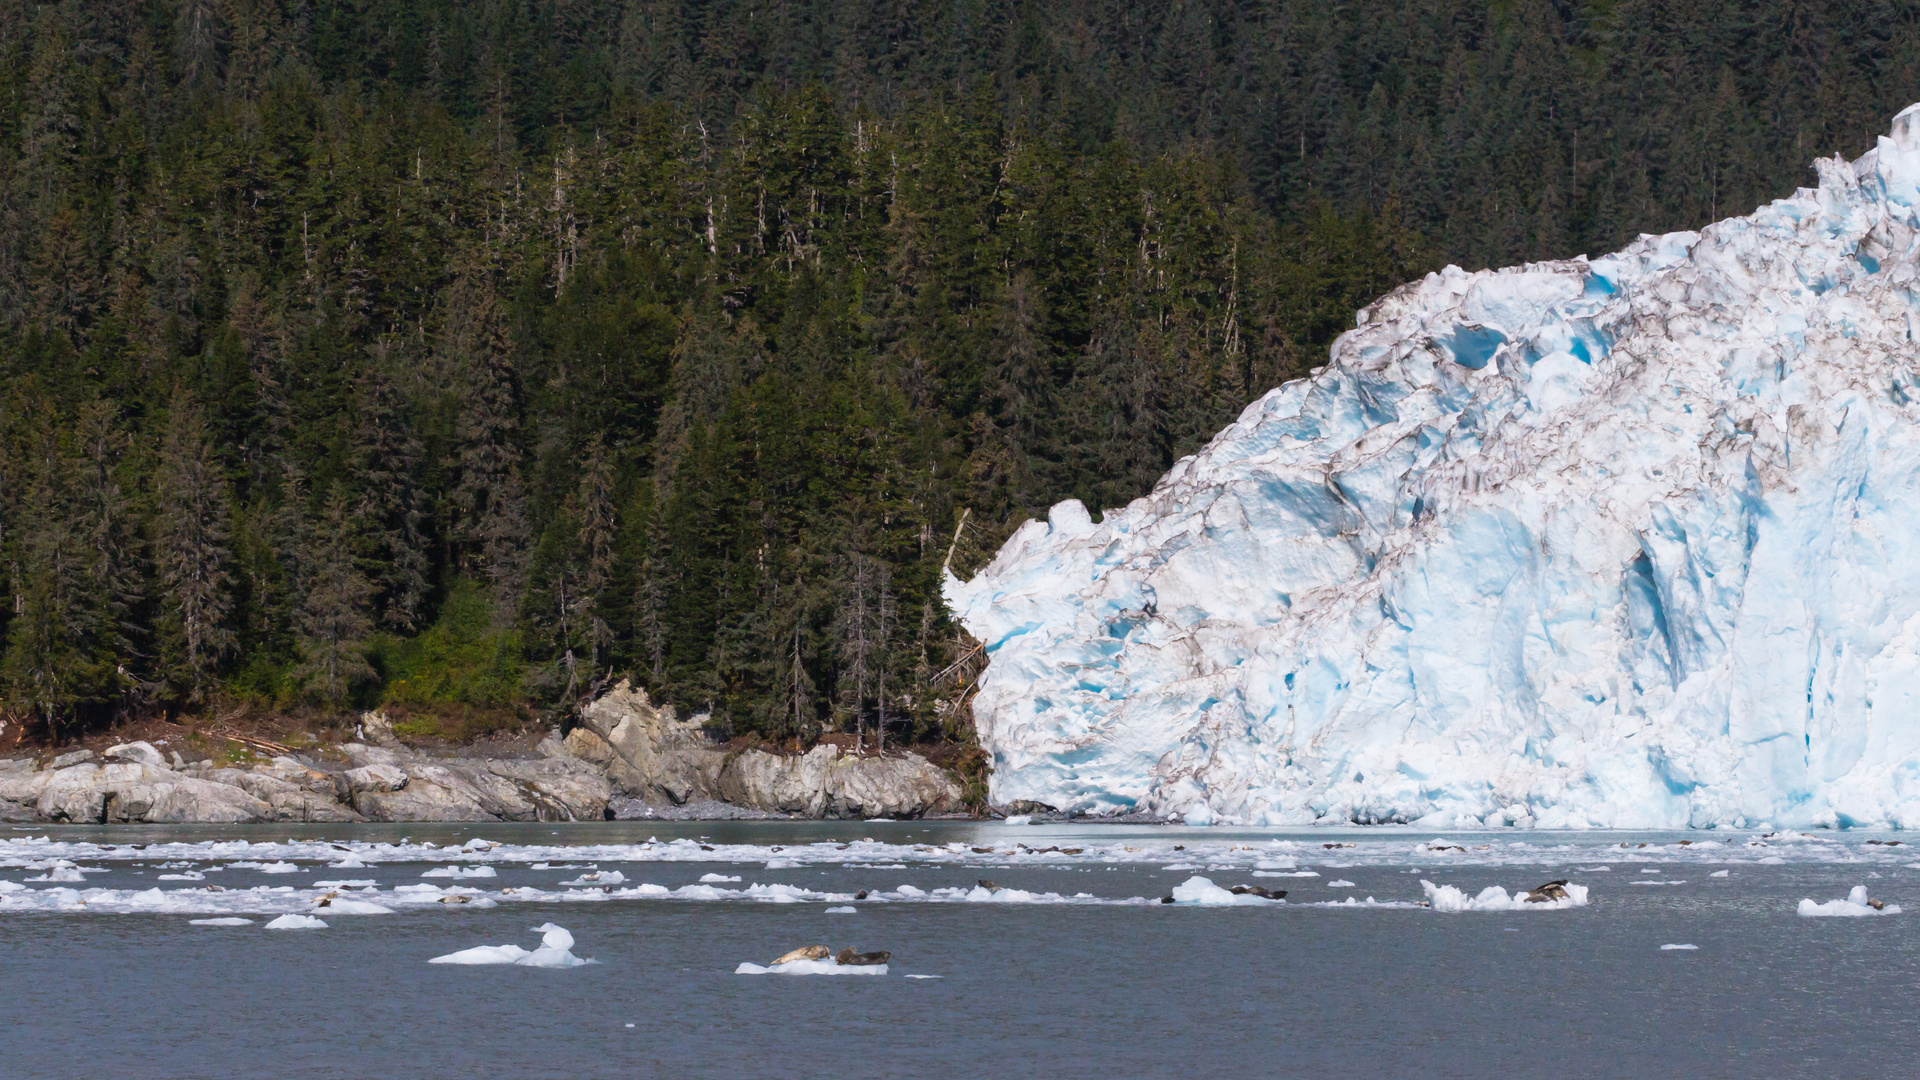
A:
{"x":1199,"y":890}
{"x":811,"y":967}
{"x":1856,"y":904}
{"x":461,"y":872}
{"x":230,"y":920}
{"x":554,"y":952}
{"x":1630,"y":541}
{"x":296,"y":922}
{"x":1495,"y":898}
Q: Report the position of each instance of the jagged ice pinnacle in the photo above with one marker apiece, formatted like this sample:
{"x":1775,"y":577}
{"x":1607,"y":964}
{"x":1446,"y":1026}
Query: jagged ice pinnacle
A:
{"x":1631,"y":541}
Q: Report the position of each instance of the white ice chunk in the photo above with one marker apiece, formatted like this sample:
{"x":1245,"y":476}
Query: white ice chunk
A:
{"x":229,"y":920}
{"x":296,"y":922}
{"x":717,"y":879}
{"x":811,"y":967}
{"x":842,"y":910}
{"x":554,"y":952}
{"x":461,"y":872}
{"x":601,"y":877}
{"x":1682,"y":948}
{"x":1854,"y":905}
{"x":1199,"y":890}
{"x":1495,"y":898}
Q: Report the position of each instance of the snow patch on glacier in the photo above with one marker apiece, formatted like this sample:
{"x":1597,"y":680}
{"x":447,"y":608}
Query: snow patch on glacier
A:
{"x":1630,"y":541}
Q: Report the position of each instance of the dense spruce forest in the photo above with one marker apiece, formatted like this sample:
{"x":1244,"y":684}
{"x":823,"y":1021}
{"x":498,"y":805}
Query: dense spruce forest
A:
{"x":459,"y":357}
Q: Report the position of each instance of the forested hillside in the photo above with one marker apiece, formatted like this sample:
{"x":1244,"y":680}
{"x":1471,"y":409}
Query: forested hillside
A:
{"x":468,"y":355}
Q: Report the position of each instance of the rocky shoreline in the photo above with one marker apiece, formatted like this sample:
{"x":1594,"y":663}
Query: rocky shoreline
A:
{"x":626,"y":760}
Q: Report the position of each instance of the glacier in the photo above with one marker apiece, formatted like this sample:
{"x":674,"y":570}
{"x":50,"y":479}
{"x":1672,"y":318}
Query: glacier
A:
{"x":1620,"y":542}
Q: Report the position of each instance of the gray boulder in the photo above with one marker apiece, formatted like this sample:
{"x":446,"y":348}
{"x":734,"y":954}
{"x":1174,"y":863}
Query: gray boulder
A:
{"x":138,"y":753}
{"x":375,"y":779}
{"x":431,"y":792}
{"x":132,"y":792}
{"x":825,"y":783}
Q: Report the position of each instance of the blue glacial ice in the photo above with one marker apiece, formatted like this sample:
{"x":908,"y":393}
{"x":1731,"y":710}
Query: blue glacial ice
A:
{"x":1630,"y":541}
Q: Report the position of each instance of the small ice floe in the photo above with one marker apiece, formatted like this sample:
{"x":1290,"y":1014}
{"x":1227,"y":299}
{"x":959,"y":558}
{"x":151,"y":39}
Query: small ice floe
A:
{"x":461,"y":872}
{"x":266,"y":868}
{"x":1653,"y":881}
{"x":1856,"y":903}
{"x":813,"y":960}
{"x":1020,"y":819}
{"x":191,"y":875}
{"x":1679,"y":948}
{"x":230,"y":920}
{"x":842,"y":910}
{"x":1552,"y":896}
{"x":335,"y":904}
{"x":1594,"y":869}
{"x":717,"y":879}
{"x":925,"y":976}
{"x":600,"y":877}
{"x":1718,"y":873}
{"x":347,"y":883}
{"x":555,"y":951}
{"x":1339,"y":883}
{"x":62,"y":874}
{"x":1282,"y":873}
{"x":296,"y":922}
{"x":1202,"y":891}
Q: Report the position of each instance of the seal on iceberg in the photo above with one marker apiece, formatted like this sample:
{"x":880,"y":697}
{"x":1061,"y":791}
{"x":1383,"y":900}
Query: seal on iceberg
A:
{"x":808,"y":952}
{"x":848,"y":958}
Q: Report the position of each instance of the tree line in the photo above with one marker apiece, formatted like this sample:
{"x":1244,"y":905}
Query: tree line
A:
{"x":441,"y":354}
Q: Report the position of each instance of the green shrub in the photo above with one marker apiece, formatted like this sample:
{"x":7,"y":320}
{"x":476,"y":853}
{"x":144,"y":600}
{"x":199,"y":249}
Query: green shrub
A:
{"x":462,"y":659}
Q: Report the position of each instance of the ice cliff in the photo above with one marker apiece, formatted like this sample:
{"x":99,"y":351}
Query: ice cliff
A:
{"x":1631,"y":541}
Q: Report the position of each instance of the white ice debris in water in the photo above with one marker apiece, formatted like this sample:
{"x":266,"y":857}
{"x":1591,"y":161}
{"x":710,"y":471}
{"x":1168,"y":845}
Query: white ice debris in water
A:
{"x":230,"y":920}
{"x":1199,"y":890}
{"x":1718,"y":873}
{"x":811,"y":967}
{"x":1495,"y":898}
{"x":1619,"y":541}
{"x":1340,"y":883}
{"x":842,"y":910}
{"x":717,"y":879}
{"x":554,"y":952}
{"x":601,"y":877}
{"x":461,"y":872}
{"x":1856,"y":903}
{"x":1020,"y":819}
{"x":1678,"y":948}
{"x":296,"y":922}
{"x":341,"y":905}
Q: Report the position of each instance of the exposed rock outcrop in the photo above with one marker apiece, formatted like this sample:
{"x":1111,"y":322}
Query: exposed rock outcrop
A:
{"x":649,"y":753}
{"x":652,"y":755}
{"x":625,"y":749}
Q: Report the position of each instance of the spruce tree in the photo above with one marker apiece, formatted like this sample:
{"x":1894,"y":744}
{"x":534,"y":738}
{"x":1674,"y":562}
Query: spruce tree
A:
{"x":191,"y":553}
{"x":334,"y":617}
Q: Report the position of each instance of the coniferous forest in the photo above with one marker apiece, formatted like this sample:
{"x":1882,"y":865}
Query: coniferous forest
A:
{"x":464,"y":356}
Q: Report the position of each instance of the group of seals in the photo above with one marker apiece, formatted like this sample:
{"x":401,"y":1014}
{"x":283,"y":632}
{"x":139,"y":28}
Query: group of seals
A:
{"x":845,"y":957}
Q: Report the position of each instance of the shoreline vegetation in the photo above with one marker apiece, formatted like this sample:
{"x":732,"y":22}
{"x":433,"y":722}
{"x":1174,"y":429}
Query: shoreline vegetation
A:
{"x":459,"y":361}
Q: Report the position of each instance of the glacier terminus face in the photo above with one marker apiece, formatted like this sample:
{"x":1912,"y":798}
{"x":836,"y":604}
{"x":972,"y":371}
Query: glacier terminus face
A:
{"x":1627,"y":542}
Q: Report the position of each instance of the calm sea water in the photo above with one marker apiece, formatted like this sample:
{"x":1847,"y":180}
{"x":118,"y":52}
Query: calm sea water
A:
{"x":1040,"y":990}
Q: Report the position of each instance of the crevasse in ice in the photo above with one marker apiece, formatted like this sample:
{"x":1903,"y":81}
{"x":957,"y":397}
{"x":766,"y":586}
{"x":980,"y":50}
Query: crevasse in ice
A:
{"x":1631,"y":541}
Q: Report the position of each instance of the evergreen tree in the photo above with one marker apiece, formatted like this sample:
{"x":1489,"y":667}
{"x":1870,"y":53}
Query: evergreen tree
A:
{"x":334,"y":617}
{"x":191,"y":554}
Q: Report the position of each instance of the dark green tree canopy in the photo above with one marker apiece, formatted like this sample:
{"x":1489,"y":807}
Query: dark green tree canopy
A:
{"x":479,"y":353}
